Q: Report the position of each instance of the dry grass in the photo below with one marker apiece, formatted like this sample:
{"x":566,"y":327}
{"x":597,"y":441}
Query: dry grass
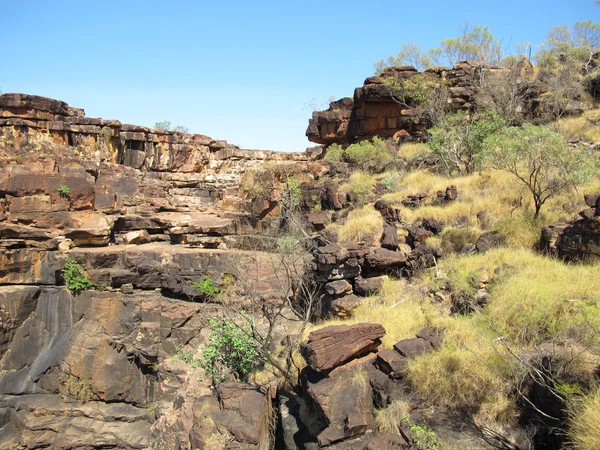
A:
{"x":389,"y":420}
{"x":412,"y":151}
{"x":360,"y":185}
{"x":362,"y":224}
{"x":584,"y":430}
{"x":586,"y":126}
{"x":397,"y":308}
{"x":458,"y":240}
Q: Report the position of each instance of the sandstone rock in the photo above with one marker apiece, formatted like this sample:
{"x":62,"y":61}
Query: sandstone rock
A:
{"x":319,"y":220}
{"x":346,"y":405}
{"x":334,"y":345}
{"x":343,"y":307}
{"x":433,"y":335}
{"x":65,"y":245}
{"x":382,"y":259}
{"x":389,"y":238}
{"x":369,"y":286}
{"x":411,"y":348}
{"x":489,"y":240}
{"x":92,"y":229}
{"x":388,"y":213}
{"x":391,"y":363}
{"x":338,"y":287}
{"x":136,"y":237}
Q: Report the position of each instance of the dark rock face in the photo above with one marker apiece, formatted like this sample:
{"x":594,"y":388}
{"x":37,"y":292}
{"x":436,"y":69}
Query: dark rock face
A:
{"x":334,"y":345}
{"x":579,"y":240}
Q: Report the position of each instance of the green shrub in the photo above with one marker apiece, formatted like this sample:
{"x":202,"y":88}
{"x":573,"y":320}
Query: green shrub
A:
{"x":64,"y":191}
{"x":292,"y":194}
{"x":334,"y":153}
{"x":75,"y":277}
{"x":392,"y":182}
{"x":373,"y":156}
{"x":206,"y":288}
{"x":231,"y":351}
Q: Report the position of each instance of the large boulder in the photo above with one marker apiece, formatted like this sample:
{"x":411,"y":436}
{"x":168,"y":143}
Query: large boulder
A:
{"x":334,"y":345}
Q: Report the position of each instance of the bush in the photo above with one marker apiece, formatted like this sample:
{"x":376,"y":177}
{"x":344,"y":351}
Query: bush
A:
{"x":206,"y":288}
{"x":372,"y":156}
{"x":458,"y":140}
{"x":292,"y":194}
{"x":392,"y":182}
{"x":231,"y":351}
{"x":334,"y":153}
{"x":64,"y":191}
{"x":75,"y":277}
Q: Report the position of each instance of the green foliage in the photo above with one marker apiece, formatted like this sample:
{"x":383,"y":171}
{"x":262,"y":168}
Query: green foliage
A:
{"x":410,"y":55}
{"x":166,"y":125}
{"x":458,"y":140}
{"x":64,"y":191}
{"x":75,"y":277}
{"x":424,"y":438}
{"x":231,"y":351}
{"x":540,"y":159}
{"x":372,"y":156}
{"x":392,"y":182}
{"x":292,"y":194}
{"x":334,"y":153}
{"x":416,"y":90}
{"x":206,"y":288}
{"x":476,"y":43}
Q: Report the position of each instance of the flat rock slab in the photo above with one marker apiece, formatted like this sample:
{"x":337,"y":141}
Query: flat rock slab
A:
{"x":391,"y":363}
{"x":334,"y":345}
{"x":411,"y":348}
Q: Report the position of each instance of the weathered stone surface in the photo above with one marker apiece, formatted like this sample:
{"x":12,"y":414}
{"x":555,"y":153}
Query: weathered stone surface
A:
{"x":389,"y":238}
{"x":411,"y":348}
{"x":136,"y":237}
{"x":382,"y":259}
{"x":369,"y":286}
{"x":391,"y":363}
{"x":343,"y":307}
{"x":338,"y":287}
{"x":334,"y":345}
{"x":345,"y":401}
{"x":29,"y":266}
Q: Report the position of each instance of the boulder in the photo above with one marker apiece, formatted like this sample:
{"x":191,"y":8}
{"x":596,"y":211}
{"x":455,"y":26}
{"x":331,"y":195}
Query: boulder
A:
{"x":343,"y":307}
{"x":391,"y":363}
{"x":388,"y":212}
{"x":411,"y":348}
{"x":369,"y":286}
{"x":389,"y":237}
{"x":334,"y":345}
{"x":344,"y":399}
{"x":338,"y":287}
{"x":319,"y":219}
{"x":136,"y":237}
{"x":382,"y":259}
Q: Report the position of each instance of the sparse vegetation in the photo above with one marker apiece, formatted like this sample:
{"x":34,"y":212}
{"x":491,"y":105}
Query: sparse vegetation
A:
{"x":231,"y":351}
{"x":359,"y":186}
{"x":584,"y":431}
{"x":75,"y":277}
{"x":64,"y":191}
{"x":79,"y":389}
{"x":362,"y":224}
{"x":207,"y":288}
{"x":166,"y":125}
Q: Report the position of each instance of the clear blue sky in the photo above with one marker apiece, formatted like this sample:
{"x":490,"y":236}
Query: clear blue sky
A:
{"x":237,"y":70}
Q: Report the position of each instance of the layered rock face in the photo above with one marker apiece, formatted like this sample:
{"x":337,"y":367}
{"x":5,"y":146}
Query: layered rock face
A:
{"x":144,"y":213}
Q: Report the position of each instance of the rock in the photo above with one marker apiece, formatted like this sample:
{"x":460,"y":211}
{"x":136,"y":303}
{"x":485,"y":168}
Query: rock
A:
{"x":343,"y":307}
{"x":244,"y":410}
{"x":382,"y":259}
{"x":136,"y":237}
{"x":388,"y":213}
{"x":369,"y":286}
{"x":127,"y":288}
{"x":389,"y":238}
{"x":338,"y":287}
{"x":489,"y":240}
{"x":91,"y":229}
{"x":65,"y":245}
{"x":345,"y":401}
{"x":411,"y":348}
{"x":433,"y":335}
{"x":319,"y":220}
{"x":334,"y":345}
{"x":592,"y":200}
{"x":391,"y":363}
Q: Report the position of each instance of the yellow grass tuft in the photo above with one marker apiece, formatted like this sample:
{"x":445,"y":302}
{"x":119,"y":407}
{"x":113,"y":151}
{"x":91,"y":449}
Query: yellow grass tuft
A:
{"x":389,"y":419}
{"x":586,"y":126}
{"x":584,"y":430}
{"x":362,"y":224}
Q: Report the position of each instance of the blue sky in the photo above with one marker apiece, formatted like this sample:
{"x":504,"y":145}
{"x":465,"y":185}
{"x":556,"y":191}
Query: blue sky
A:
{"x":236,"y":70}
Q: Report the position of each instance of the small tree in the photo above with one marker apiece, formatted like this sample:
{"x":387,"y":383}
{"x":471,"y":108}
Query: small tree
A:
{"x":458,"y":140}
{"x":476,"y":43}
{"x":539,"y":158}
{"x":410,"y":55}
